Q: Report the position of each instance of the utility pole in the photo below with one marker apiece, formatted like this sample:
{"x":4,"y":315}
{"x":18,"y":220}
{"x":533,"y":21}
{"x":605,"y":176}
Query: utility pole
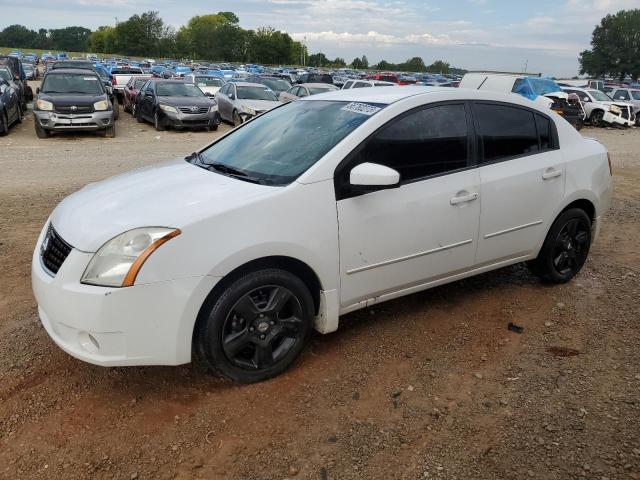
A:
{"x":526,"y":64}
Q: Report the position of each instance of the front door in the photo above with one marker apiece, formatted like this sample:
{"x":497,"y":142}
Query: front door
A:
{"x":427,"y":227}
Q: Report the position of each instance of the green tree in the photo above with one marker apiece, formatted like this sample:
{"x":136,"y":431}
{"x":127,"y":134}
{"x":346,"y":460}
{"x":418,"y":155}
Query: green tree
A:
{"x":384,"y":65}
{"x":439,"y":67}
{"x":76,"y":39}
{"x":415,"y":64}
{"x":18,"y":36}
{"x":270,"y":46}
{"x":140,"y":34}
{"x":318,"y":60}
{"x":615,"y":46}
{"x":339,"y":63}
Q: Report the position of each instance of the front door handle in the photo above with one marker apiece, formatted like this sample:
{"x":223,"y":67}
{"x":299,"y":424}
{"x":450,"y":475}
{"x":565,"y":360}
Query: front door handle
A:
{"x":463,"y":197}
{"x":551,"y":173}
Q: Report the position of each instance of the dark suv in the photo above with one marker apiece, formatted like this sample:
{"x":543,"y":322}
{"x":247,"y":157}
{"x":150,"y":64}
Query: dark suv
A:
{"x":72,"y":99}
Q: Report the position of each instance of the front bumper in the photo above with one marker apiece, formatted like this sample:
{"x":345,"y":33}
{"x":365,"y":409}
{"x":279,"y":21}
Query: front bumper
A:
{"x":614,"y":119}
{"x":82,"y":121}
{"x":191,"y":120}
{"x":149,"y":324}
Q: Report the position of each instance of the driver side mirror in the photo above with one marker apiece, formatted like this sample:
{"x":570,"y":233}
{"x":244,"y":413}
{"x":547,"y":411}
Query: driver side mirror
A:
{"x":37,"y":90}
{"x":585,"y":99}
{"x":373,"y":176}
{"x":232,"y":96}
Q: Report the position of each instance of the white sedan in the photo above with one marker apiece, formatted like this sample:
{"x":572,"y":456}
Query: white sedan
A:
{"x":312,"y":210}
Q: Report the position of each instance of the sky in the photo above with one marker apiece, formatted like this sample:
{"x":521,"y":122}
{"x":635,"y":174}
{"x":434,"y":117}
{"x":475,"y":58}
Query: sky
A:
{"x":546,"y":36}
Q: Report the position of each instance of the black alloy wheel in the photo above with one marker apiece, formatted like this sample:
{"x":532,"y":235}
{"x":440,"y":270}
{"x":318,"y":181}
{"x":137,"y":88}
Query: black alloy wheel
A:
{"x":572,"y":246}
{"x":262,"y":327}
{"x":565,"y":248}
{"x":157,"y":123}
{"x":4,"y":124}
{"x":256,"y":327}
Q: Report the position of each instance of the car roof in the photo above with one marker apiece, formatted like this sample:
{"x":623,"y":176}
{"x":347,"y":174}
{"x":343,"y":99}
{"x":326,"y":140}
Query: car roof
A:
{"x":249,"y":84}
{"x":318,"y":85}
{"x":389,"y":95}
{"x":72,"y":71}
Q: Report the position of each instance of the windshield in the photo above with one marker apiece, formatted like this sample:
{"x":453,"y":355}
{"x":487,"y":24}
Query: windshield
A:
{"x":278,"y":146}
{"x":72,"y":83}
{"x":178,"y":90}
{"x":276,"y":84}
{"x":256,"y":93}
{"x":635,"y":94}
{"x":599,"y":96}
{"x":209,"y":81}
{"x":139,"y":82}
{"x":316,"y":90}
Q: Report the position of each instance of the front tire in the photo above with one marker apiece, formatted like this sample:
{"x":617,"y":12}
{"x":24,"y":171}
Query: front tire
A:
{"x":237,"y":119}
{"x":597,"y":118}
{"x":565,"y":249}
{"x":157,"y":123}
{"x":137,"y":113}
{"x":256,"y":327}
{"x":4,"y":124}
{"x":41,"y":132}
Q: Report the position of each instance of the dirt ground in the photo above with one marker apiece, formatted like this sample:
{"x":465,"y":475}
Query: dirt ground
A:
{"x":428,"y":386}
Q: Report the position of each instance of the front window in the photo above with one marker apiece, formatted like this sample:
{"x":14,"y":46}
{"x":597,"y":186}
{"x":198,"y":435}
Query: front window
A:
{"x":599,"y":96}
{"x":178,"y":90}
{"x":276,"y":84}
{"x":72,"y":83}
{"x":5,"y":75}
{"x":635,"y":94}
{"x":278,"y":146}
{"x":255,"y":93}
{"x":139,"y":83}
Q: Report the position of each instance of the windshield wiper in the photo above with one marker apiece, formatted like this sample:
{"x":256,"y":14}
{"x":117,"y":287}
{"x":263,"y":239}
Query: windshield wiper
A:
{"x":197,"y":159}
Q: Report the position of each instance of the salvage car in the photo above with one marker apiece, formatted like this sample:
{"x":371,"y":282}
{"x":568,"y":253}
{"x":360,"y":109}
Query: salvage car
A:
{"x":601,"y":110}
{"x":241,"y":101}
{"x":10,"y":108}
{"x":320,"y":207}
{"x":176,"y":104}
{"x":304,"y":90}
{"x":30,"y":71}
{"x":73,"y":100}
{"x":536,"y":88}
{"x":276,"y":84}
{"x":628,"y":95}
{"x":130,"y":93}
{"x":209,"y":84}
{"x":366,"y":84}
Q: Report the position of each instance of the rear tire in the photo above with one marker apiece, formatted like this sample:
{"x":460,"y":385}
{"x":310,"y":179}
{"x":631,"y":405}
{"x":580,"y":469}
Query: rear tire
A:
{"x":256,"y":327}
{"x":565,"y":249}
{"x":137,"y":114}
{"x":4,"y":124}
{"x":116,"y":108}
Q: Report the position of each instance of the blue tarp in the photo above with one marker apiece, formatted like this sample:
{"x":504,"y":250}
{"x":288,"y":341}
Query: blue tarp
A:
{"x":533,"y":87}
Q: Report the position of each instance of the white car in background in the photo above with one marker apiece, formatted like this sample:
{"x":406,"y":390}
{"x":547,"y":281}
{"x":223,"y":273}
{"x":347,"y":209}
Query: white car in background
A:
{"x":600,"y":109}
{"x":320,"y":207}
{"x":241,"y":101}
{"x":209,"y":84}
{"x":304,"y":90}
{"x":367,"y":83}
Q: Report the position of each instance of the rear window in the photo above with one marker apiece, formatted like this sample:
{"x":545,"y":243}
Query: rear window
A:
{"x":505,"y":131}
{"x":126,"y":71}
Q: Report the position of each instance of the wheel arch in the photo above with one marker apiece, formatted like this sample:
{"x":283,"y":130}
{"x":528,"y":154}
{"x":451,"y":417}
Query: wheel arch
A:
{"x":292,"y":265}
{"x":583,"y":204}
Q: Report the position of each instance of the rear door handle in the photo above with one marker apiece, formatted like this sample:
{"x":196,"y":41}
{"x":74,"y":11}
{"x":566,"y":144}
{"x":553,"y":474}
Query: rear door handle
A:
{"x":463,"y":197}
{"x":551,"y":173}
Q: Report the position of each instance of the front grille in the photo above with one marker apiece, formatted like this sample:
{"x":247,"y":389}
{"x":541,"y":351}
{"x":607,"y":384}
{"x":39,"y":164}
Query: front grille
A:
{"x":54,"y":250}
{"x":626,"y":114}
{"x":191,"y":109}
{"x":74,"y":109}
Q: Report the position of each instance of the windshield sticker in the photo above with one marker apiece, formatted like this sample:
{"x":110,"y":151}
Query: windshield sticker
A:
{"x":362,"y":108}
{"x":90,"y":78}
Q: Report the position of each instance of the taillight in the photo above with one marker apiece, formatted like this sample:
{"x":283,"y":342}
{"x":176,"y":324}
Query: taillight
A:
{"x":114,"y":81}
{"x":610,"y":166}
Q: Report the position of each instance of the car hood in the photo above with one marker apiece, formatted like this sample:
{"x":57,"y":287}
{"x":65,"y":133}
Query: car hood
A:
{"x":259,"y":104}
{"x":186,"y":101}
{"x":172,"y":194}
{"x":211,"y":90}
{"x":70,"y":99}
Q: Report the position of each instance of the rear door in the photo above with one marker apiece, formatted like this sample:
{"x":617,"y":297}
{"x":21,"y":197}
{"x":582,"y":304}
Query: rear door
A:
{"x":522,"y":174}
{"x":399,"y":238}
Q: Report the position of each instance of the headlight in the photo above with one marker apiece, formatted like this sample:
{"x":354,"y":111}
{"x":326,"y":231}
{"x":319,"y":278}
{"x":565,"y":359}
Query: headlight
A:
{"x":168,"y":108}
{"x":101,"y":105}
{"x":44,"y":105}
{"x":248,"y":110}
{"x":615,"y":109}
{"x":117,"y":262}
{"x":214,"y":108}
